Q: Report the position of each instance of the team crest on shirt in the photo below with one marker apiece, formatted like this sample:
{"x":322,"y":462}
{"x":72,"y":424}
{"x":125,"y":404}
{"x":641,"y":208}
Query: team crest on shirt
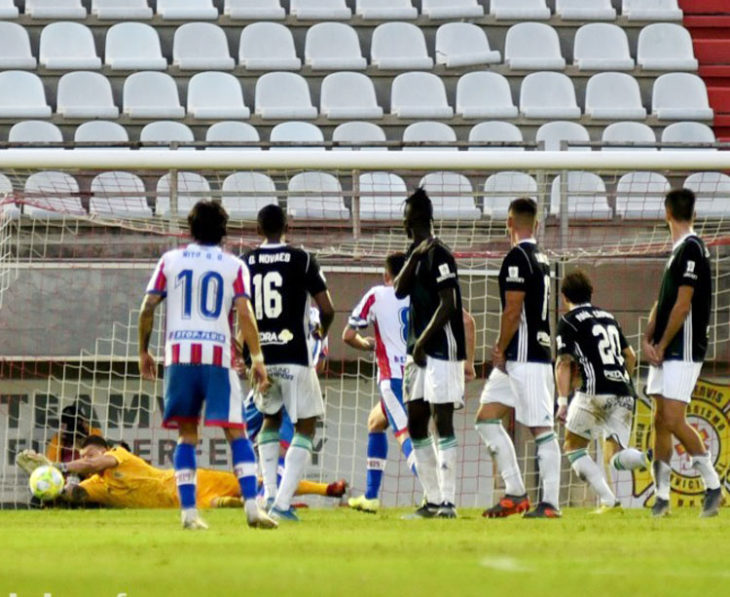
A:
{"x":278,"y":339}
{"x":513,"y":274}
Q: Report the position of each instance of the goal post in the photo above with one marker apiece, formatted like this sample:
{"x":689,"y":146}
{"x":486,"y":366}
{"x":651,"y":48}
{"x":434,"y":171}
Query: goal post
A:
{"x":77,"y":246}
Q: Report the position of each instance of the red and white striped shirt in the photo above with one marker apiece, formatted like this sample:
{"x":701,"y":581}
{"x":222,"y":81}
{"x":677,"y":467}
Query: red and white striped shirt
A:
{"x":200,"y":282}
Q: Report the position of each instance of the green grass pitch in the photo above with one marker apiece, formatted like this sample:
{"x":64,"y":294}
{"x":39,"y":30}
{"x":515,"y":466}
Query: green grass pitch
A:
{"x":341,"y":552}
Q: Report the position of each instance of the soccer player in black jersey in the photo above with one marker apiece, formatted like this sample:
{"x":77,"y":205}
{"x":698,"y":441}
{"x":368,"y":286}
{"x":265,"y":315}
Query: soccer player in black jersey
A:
{"x":522,"y":377}
{"x":436,"y":348}
{"x":283,"y":279}
{"x":603,"y":403}
{"x":675,"y":343}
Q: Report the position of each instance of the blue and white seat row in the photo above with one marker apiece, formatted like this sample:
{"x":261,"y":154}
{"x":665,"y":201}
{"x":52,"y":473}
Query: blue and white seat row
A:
{"x":336,"y":46}
{"x":338,"y":9}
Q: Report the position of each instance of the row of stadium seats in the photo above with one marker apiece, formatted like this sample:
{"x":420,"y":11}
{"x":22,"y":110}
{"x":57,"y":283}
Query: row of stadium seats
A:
{"x":317,"y":195}
{"x":351,"y":95}
{"x":336,"y":46}
{"x":338,"y":9}
{"x":431,"y":134}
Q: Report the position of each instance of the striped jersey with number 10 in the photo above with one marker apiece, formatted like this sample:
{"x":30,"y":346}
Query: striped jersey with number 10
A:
{"x":200,"y":283}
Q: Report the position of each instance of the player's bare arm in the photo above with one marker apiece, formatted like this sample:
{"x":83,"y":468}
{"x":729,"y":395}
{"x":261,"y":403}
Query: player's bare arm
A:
{"x":145,"y":323}
{"x":471,"y":340}
{"x":508,"y":325}
{"x":326,"y":312}
{"x":629,"y":360}
{"x":563,"y":378}
{"x":442,"y":315}
{"x":404,"y":280}
{"x":677,"y":316}
{"x":248,"y":333}
{"x":352,"y":337}
{"x":647,"y":343}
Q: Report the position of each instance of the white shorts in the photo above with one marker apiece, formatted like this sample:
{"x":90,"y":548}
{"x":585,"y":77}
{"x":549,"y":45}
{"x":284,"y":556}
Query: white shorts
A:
{"x":439,"y":382}
{"x":526,"y":387}
{"x":294,"y":387}
{"x":674,"y":380}
{"x":608,"y":415}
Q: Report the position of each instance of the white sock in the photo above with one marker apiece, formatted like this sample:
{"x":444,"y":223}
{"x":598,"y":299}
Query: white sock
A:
{"x":662,"y":473}
{"x":297,"y":459}
{"x":424,"y":452}
{"x":502,"y":449}
{"x":703,"y":465}
{"x":548,"y":457}
{"x":628,"y":459}
{"x":587,"y":469}
{"x":269,"y":459}
{"x":447,"y":469}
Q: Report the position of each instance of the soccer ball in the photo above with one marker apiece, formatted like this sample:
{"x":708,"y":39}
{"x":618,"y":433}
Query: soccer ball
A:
{"x":46,"y":482}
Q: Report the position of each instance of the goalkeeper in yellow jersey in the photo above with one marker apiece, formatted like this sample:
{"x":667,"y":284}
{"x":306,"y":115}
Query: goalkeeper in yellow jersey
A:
{"x":117,"y":478}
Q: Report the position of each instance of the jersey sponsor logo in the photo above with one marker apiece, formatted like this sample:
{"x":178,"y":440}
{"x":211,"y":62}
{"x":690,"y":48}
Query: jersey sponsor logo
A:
{"x":280,"y":372}
{"x":513,"y":274}
{"x":276,"y":339}
{"x":689,"y":272}
{"x":543,"y":338}
{"x":615,"y":375}
{"x":445,"y":272}
{"x":197,"y":335}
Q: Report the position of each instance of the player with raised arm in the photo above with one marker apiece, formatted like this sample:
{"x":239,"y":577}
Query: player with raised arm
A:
{"x":675,"y":344}
{"x":283,"y":280}
{"x":434,"y":373}
{"x":603,"y":404}
{"x":203,"y":284}
{"x":522,"y":377}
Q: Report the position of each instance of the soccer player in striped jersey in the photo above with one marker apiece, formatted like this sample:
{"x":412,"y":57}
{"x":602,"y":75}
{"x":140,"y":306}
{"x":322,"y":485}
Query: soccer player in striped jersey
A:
{"x":203,"y":284}
{"x":675,"y":343}
{"x":522,"y":377}
{"x":389,"y":317}
{"x":603,"y":404}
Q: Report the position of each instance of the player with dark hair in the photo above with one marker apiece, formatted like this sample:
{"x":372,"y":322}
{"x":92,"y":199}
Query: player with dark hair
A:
{"x":603,"y":404}
{"x":204,"y":285}
{"x":283,"y":279}
{"x":75,"y":427}
{"x":434,"y":373}
{"x":675,"y":342}
{"x":522,"y":377}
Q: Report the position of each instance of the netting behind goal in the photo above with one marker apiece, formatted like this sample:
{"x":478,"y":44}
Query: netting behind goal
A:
{"x":77,"y":245}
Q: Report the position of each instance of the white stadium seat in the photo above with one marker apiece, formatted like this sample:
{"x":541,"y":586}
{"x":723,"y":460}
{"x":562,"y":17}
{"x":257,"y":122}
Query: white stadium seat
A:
{"x":502,"y":188}
{"x":216,"y":95}
{"x":359,"y":134}
{"x":133,"y":46}
{"x":151,"y":95}
{"x":419,"y":95}
{"x":100,"y":131}
{"x":533,"y":46}
{"x":614,"y":96}
{"x":333,"y":46}
{"x":452,"y":196}
{"x":628,"y":132}
{"x":22,"y":96}
{"x":680,"y":96}
{"x":651,"y":10}
{"x":484,"y":94}
{"x":385,"y":9}
{"x":345,"y":96}
{"x":7,"y":210}
{"x":283,"y":95}
{"x":15,"y":47}
{"x":601,"y":46}
{"x":548,"y":95}
{"x":688,"y":132}
{"x":186,"y":10}
{"x":254,"y":10}
{"x":85,"y":95}
{"x":35,"y":131}
{"x":166,"y":131}
{"x":585,"y":10}
{"x":552,"y":134}
{"x":245,"y":193}
{"x":118,"y":194}
{"x":711,"y":190}
{"x":8,"y":10}
{"x":267,"y":46}
{"x":55,"y":9}
{"x":381,"y":196}
{"x":430,"y":132}
{"x":121,"y":9}
{"x":68,"y":46}
{"x":201,"y":46}
{"x":399,"y":46}
{"x":296,"y":132}
{"x":640,"y":195}
{"x":51,"y":195}
{"x":665,"y":46}
{"x":316,"y":195}
{"x":230,"y":131}
{"x":463,"y":44}
{"x":495,"y":131}
{"x":191,"y":188}
{"x":451,"y":9}
{"x":586,"y":195}
{"x":319,"y":10}
{"x":519,"y":10}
